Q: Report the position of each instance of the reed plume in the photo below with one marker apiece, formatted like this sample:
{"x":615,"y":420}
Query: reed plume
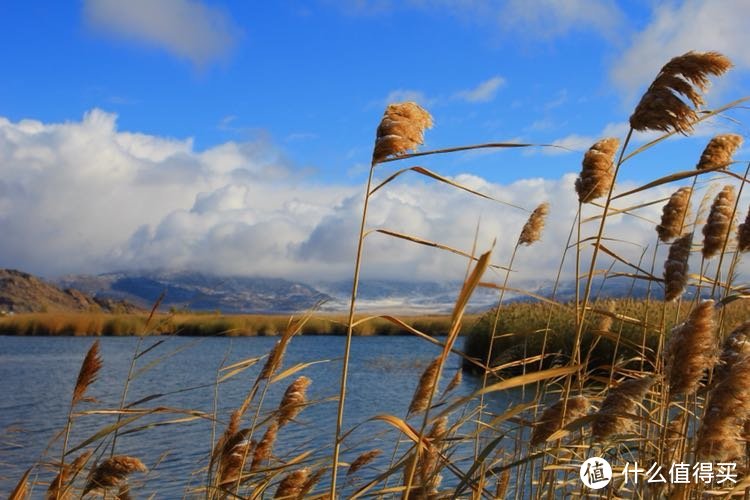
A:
{"x":291,"y":486}
{"x":233,"y":454}
{"x":621,"y":401}
{"x":294,"y":400}
{"x":674,"y":214}
{"x":59,"y":487}
{"x":676,"y":267}
{"x":719,"y":151}
{"x":427,"y":382}
{"x":455,"y":381}
{"x":427,"y":477}
{"x":661,"y":107}
{"x":735,"y":346}
{"x":743,"y":234}
{"x":597,"y":172}
{"x":719,"y":222}
{"x":232,"y":427}
{"x":112,"y":472}
{"x":90,"y":367}
{"x":362,"y":460}
{"x":532,"y":230}
{"x":439,"y":429}
{"x":552,"y":418}
{"x":311,"y":482}
{"x":401,"y":130}
{"x":690,"y":350}
{"x":265,"y":448}
{"x":720,"y":434}
{"x":275,"y":356}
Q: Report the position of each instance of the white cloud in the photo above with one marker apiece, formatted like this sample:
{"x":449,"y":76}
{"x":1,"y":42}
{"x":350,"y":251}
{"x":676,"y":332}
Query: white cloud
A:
{"x":403,"y":95}
{"x":539,"y":19}
{"x":85,"y":197}
{"x":188,"y":29}
{"x":675,"y":28}
{"x":484,"y":92}
{"x":554,"y":18}
{"x":575,"y":143}
{"x":572,"y":143}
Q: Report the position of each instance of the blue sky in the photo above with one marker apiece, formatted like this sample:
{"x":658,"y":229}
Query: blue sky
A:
{"x":295,"y":90}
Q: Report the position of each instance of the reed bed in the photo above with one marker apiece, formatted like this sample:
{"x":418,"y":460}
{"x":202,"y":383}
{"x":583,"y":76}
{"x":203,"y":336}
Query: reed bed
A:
{"x":659,"y":381}
{"x":190,"y":325}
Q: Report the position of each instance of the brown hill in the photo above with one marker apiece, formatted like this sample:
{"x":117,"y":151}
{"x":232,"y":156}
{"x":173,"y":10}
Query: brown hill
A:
{"x":22,"y":292}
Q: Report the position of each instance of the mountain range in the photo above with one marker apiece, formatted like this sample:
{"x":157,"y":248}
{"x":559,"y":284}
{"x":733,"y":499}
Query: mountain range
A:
{"x":195,"y":291}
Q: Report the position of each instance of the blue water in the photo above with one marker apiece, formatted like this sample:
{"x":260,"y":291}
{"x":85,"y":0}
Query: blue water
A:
{"x":38,"y":374}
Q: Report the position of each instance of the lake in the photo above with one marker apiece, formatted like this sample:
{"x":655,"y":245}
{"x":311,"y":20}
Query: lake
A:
{"x":38,"y":374}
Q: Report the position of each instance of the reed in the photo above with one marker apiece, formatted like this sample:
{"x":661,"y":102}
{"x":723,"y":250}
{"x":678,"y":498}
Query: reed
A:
{"x":690,"y":350}
{"x":112,"y":472}
{"x":719,"y":223}
{"x":557,"y":416}
{"x":615,"y":414}
{"x":662,"y":109}
{"x":291,"y":486}
{"x":674,"y":215}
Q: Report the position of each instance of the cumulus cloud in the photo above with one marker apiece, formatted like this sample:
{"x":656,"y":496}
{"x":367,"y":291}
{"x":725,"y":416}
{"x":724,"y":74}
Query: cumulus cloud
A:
{"x":188,"y":29}
{"x":85,"y":197}
{"x":484,"y":92}
{"x":675,"y":28}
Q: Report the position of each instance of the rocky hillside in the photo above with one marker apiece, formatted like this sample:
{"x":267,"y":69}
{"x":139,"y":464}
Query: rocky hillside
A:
{"x":21,"y":292}
{"x":200,"y":292}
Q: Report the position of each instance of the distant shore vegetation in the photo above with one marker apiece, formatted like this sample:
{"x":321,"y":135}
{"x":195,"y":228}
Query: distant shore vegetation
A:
{"x":209,"y":324}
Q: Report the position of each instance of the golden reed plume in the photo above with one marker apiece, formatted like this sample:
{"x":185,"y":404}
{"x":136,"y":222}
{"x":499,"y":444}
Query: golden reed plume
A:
{"x":113,"y":471}
{"x":427,"y":383}
{"x":735,"y":346}
{"x":662,"y":109}
{"x":455,"y":381}
{"x":233,"y":454}
{"x":674,"y":214}
{"x":59,"y":487}
{"x":294,"y":400}
{"x":676,"y":267}
{"x":291,"y":486}
{"x":311,"y":482}
{"x":620,"y":401}
{"x":743,"y":234}
{"x":265,"y":448}
{"x":690,"y":350}
{"x":597,"y":172}
{"x":532,"y":230}
{"x":719,"y":151}
{"x":362,"y":460}
{"x":90,"y":367}
{"x":719,"y":223}
{"x":552,"y":418}
{"x":401,"y":130}
{"x":720,"y":434}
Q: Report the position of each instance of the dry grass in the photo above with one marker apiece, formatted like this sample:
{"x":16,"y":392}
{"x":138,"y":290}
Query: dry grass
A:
{"x":234,"y":325}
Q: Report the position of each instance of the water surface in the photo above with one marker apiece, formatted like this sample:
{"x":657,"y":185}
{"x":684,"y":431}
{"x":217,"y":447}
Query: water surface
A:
{"x":38,"y":374}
